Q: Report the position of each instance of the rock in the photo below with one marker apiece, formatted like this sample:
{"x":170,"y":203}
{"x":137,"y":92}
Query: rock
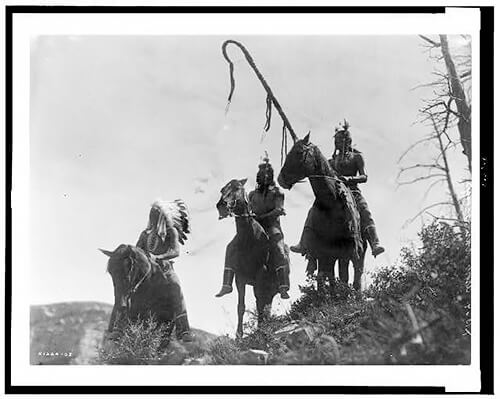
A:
{"x":297,"y":335}
{"x":326,"y":350}
{"x":287,"y":329}
{"x":254,"y":356}
{"x":175,"y":353}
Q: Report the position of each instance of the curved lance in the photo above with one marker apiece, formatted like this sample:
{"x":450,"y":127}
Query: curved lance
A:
{"x":270,"y":96}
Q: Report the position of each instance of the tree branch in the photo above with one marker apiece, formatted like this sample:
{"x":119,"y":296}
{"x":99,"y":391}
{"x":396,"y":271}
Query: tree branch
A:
{"x":421,"y":178}
{"x":434,"y":44}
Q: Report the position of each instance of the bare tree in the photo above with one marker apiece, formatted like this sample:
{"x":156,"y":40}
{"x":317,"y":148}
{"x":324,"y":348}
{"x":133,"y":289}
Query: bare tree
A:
{"x":448,"y":107}
{"x":451,"y":102}
{"x":434,"y":172}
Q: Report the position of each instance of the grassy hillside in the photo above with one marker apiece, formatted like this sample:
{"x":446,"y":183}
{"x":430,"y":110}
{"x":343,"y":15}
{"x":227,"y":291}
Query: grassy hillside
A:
{"x":415,"y":312}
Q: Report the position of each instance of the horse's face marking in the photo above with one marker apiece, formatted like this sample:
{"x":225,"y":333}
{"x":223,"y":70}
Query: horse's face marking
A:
{"x":231,"y":194}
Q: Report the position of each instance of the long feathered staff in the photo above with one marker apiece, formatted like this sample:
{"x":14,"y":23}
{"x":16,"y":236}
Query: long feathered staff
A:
{"x":270,"y":99}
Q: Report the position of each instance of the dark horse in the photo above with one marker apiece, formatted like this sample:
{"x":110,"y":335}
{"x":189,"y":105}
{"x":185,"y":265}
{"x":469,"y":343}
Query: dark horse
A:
{"x":333,"y":231}
{"x":252,"y":244}
{"x":140,"y":288}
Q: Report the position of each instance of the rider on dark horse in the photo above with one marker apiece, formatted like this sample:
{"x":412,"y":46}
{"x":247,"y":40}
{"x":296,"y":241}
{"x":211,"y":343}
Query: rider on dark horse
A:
{"x":161,"y":242}
{"x":267,"y":203}
{"x":350,"y":165}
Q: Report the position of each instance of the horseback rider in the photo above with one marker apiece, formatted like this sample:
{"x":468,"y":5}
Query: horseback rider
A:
{"x":350,"y":165}
{"x":267,"y":203}
{"x":160,"y":240}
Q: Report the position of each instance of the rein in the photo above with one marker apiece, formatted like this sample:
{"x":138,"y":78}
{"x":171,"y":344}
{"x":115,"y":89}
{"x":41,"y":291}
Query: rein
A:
{"x":132,"y":291}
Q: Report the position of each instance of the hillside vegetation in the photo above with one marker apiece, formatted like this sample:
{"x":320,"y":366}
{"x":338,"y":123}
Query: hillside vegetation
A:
{"x":415,"y":312}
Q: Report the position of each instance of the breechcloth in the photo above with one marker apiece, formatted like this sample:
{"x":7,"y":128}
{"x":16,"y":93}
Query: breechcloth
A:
{"x":176,"y":298}
{"x":277,"y":255}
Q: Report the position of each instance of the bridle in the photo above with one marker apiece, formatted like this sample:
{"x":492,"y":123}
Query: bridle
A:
{"x":306,"y":153}
{"x":230,"y":201}
{"x":130,"y":276}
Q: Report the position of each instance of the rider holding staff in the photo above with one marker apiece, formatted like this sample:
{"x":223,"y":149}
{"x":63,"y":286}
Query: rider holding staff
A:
{"x":350,"y":165}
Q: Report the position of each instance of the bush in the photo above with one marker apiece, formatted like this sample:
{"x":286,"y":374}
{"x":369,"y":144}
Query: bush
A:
{"x":224,"y":350}
{"x":437,"y":274}
{"x":141,"y":342}
{"x":435,"y":281}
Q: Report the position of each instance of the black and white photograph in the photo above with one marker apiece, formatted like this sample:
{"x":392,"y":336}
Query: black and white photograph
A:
{"x":230,"y":194}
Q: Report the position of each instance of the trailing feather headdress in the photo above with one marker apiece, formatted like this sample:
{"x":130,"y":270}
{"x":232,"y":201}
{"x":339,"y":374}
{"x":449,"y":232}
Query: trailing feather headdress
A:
{"x":173,"y":213}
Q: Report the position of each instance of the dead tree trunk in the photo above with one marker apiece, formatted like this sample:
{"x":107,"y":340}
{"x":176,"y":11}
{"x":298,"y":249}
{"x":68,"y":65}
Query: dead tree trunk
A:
{"x":449,"y":181}
{"x":458,"y":95}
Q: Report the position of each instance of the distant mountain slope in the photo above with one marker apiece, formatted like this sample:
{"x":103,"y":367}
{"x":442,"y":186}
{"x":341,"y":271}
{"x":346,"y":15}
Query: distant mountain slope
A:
{"x":67,"y":333}
{"x":72,"y":333}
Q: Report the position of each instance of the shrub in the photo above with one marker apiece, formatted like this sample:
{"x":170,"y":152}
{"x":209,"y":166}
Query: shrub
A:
{"x":437,"y":274}
{"x":141,"y":342}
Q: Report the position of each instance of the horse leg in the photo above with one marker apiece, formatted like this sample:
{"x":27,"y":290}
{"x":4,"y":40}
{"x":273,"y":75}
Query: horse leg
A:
{"x":241,"y":306}
{"x":344,"y":270}
{"x":325,"y":271}
{"x":165,"y":320}
{"x":263,"y":308}
{"x":359,"y":266}
{"x":321,"y":277}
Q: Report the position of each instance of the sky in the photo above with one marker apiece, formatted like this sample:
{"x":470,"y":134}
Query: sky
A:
{"x":119,"y":121}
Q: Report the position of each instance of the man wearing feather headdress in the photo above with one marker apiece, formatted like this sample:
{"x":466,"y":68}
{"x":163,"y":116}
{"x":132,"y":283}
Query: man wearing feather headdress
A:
{"x":350,"y":165}
{"x":267,"y":204}
{"x":167,"y":227}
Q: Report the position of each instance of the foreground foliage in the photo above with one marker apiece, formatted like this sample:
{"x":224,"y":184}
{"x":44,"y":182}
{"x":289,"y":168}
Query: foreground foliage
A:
{"x":415,"y":312}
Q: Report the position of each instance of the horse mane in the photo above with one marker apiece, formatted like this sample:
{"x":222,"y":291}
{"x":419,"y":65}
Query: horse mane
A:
{"x":178,"y":211}
{"x":324,"y":166}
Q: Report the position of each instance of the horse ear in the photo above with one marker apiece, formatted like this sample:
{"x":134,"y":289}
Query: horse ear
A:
{"x":105,"y":252}
{"x":243,"y":181}
{"x":305,"y":140}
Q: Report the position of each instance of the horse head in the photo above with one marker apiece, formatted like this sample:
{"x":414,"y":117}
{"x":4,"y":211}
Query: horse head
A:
{"x":303,"y":160}
{"x":233,"y":200}
{"x":129,"y":267}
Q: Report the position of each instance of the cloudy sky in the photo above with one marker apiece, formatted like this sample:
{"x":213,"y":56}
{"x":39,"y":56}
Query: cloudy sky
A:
{"x":119,"y":121}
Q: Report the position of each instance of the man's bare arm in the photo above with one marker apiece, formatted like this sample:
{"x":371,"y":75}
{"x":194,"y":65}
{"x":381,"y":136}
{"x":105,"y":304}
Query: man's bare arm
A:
{"x":361,"y":177}
{"x":173,"y":244}
{"x":279,"y":207}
